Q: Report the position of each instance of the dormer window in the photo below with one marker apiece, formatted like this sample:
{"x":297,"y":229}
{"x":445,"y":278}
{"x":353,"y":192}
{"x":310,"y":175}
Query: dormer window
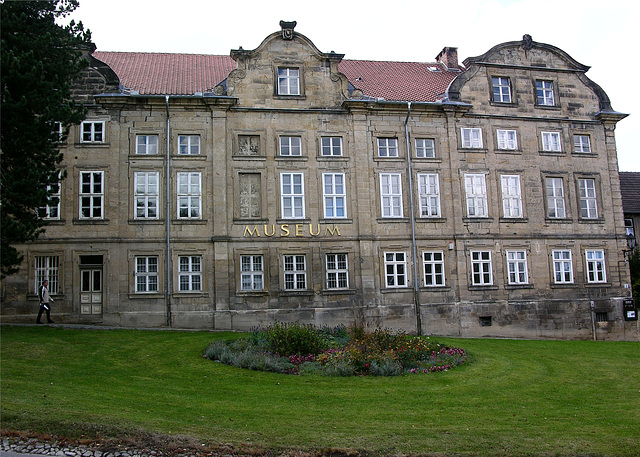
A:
{"x":501,"y":89}
{"x":288,"y":81}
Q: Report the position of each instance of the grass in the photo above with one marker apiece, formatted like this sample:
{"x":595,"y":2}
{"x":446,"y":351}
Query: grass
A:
{"x":516,"y":397}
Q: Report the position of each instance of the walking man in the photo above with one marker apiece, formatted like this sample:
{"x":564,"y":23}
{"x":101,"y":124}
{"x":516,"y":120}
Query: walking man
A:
{"x":45,"y":302}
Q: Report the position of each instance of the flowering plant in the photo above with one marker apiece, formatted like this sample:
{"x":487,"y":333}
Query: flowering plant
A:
{"x":297,"y":349}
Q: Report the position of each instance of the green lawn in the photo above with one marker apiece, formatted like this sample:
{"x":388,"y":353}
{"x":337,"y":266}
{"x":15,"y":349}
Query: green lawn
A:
{"x":515,"y":398}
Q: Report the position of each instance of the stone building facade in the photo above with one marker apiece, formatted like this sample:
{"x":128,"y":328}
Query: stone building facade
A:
{"x":288,"y":184}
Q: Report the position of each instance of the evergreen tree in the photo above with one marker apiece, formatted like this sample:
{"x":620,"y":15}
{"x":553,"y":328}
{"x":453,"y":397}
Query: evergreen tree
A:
{"x":40,"y":60}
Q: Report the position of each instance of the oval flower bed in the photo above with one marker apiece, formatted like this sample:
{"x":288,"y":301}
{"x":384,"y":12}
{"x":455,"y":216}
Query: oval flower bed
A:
{"x":339,"y":351}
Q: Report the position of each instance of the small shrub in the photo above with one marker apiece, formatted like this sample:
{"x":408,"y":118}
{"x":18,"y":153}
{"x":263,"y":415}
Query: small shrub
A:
{"x":290,"y":339}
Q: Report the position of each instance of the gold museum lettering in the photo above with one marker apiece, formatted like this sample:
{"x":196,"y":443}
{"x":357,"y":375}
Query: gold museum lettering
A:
{"x":290,"y":230}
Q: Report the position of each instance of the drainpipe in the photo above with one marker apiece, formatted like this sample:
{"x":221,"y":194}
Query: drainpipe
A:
{"x":593,"y":319}
{"x":168,"y":216}
{"x":416,"y":297}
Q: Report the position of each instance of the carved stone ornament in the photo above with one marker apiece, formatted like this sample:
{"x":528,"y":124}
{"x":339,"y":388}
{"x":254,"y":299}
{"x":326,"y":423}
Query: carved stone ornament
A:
{"x":287,"y":29}
{"x":219,"y":90}
{"x":527,"y":41}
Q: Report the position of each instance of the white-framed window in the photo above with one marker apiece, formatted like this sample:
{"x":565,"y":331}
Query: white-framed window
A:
{"x":429,"y":192}
{"x":190,"y":273}
{"x":544,"y":93}
{"x":189,"y":144}
{"x":562,"y":266}
{"x":555,"y":198}
{"x":92,"y":132}
{"x":47,"y":267}
{"x":146,"y":194}
{"x":481,"y":269}
{"x":337,"y":271}
{"x":391,"y":194}
{"x":628,"y":227}
{"x":501,"y":89}
{"x":290,"y":146}
{"x":476,"y":195}
{"x":588,"y":199}
{"x":433,"y":263}
{"x":147,"y":144}
{"x":57,"y":131}
{"x":387,"y":147}
{"x":189,"y":195}
{"x":91,"y":195}
{"x":146,"y":274}
{"x":295,"y":272}
{"x":292,"y":195}
{"x":395,"y":269}
{"x":51,"y":211}
{"x":425,"y":148}
{"x":511,"y":196}
{"x":517,"y":267}
{"x":251,"y":272}
{"x":334,"y":195}
{"x":551,"y":142}
{"x":581,"y":143}
{"x":288,"y":81}
{"x":507,"y":140}
{"x":595,"y":266}
{"x":331,"y":145}
{"x":471,"y":137}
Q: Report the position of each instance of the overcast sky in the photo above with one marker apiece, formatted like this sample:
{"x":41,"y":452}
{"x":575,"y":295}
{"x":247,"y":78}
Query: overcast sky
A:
{"x":594,"y":32}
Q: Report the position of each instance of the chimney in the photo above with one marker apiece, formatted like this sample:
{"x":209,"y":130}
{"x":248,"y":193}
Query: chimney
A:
{"x":449,"y":57}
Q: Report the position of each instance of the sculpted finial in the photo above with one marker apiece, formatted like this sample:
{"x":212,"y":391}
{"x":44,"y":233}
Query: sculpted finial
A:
{"x":287,"y":29}
{"x":527,"y":41}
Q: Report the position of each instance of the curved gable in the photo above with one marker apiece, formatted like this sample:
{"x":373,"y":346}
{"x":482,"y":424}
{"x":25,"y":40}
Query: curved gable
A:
{"x":536,"y":61}
{"x":312,"y":77}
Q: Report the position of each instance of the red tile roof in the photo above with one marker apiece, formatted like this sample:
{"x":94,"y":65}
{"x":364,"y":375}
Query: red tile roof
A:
{"x":186,"y":74}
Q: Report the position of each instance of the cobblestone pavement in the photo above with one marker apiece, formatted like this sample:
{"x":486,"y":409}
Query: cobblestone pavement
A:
{"x":22,"y":445}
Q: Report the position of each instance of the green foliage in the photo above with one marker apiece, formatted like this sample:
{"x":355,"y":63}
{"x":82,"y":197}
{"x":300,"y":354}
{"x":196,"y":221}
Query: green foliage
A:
{"x":295,"y":338}
{"x":302,"y":349}
{"x":40,"y":60}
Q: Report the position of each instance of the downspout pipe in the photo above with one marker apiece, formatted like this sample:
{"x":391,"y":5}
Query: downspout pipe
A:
{"x":416,"y":281}
{"x":168,"y":216}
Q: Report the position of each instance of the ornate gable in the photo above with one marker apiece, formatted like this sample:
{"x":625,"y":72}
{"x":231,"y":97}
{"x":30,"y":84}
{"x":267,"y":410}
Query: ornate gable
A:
{"x":287,"y":71}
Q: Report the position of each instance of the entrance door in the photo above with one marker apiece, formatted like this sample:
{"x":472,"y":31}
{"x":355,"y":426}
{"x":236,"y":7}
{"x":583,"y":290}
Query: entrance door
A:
{"x":91,"y":291}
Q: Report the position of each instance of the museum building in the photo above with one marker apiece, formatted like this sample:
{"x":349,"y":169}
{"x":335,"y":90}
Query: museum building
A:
{"x":288,"y":184}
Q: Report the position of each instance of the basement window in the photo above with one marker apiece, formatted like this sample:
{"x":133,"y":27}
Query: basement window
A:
{"x":485,"y":321}
{"x":602,"y":316}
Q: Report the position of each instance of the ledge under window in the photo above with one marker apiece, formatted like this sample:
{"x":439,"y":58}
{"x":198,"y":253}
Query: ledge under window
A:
{"x":425,"y":220}
{"x":391,"y":290}
{"x":473,"y":150}
{"x":598,"y":220}
{"x":384,"y":220}
{"x":337,"y":291}
{"x":518,"y":286}
{"x":591,"y":285}
{"x":189,"y":221}
{"x":477,"y":219}
{"x":297,"y":293}
{"x":91,"y":221}
{"x":335,"y":220}
{"x":553,"y":220}
{"x":146,"y":221}
{"x":146,"y":295}
{"x":481,"y":287}
{"x":514,"y":220}
{"x":252,"y":293}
